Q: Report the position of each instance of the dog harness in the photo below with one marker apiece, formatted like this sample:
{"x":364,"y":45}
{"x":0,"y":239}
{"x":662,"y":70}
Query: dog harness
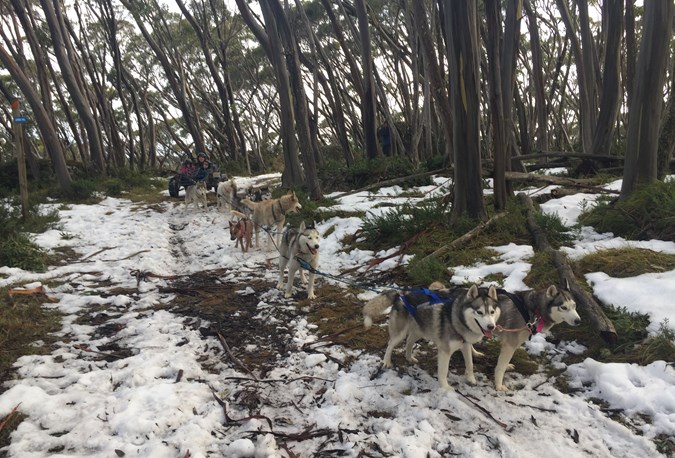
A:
{"x":433,"y":299}
{"x":281,"y":207}
{"x":533,"y":325}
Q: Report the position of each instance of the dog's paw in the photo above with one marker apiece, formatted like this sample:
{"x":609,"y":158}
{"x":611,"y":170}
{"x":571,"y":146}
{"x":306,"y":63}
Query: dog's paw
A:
{"x":503,"y":388}
{"x":311,"y":296}
{"x":280,"y":285}
{"x":510,"y":367}
{"x":386,"y":364}
{"x":471,"y":379}
{"x":288,"y":295}
{"x":413,"y":360}
{"x":446,"y":387}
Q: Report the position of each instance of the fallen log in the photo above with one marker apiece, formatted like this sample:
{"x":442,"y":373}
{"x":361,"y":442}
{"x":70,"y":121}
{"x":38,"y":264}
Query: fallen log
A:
{"x":566,"y":154}
{"x":390,"y":182}
{"x":555,"y":180}
{"x":464,"y":238}
{"x":566,"y":275}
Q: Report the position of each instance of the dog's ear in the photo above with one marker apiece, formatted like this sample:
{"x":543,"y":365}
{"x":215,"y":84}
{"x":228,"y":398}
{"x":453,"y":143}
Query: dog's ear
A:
{"x":552,"y":291}
{"x":302,"y":227}
{"x":492,"y":293}
{"x":473,"y":292}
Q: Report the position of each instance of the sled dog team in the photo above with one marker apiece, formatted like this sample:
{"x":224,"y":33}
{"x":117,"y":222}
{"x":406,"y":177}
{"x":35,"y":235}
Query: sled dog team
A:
{"x":456,"y":318}
{"x":450,"y":318}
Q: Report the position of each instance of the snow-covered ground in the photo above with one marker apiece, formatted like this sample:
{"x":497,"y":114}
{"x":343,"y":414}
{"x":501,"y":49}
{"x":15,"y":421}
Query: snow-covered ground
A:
{"x":160,"y":399}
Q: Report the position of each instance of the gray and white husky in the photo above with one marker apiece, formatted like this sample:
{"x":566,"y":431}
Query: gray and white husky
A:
{"x":196,"y":194}
{"x":527,"y":313}
{"x":300,"y":243}
{"x":454,"y":319}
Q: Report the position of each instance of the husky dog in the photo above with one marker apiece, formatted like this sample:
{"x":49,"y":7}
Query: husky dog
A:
{"x":527,"y":313}
{"x":272,"y":212}
{"x":298,"y":243}
{"x":258,"y":195}
{"x":241,"y":231}
{"x":196,"y":194}
{"x":226,"y":194}
{"x":453,"y":319}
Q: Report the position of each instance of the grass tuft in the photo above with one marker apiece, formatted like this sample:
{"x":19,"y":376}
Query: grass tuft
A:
{"x":626,"y":262}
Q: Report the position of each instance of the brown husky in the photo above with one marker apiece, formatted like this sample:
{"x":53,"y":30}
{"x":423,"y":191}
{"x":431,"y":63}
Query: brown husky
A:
{"x":272,"y":212}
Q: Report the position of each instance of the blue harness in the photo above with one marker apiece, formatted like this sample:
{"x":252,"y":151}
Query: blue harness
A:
{"x":433,"y":299}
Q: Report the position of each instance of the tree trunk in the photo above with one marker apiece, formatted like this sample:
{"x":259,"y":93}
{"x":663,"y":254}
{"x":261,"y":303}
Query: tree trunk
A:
{"x":499,"y":142}
{"x":541,"y":112}
{"x":55,"y":23}
{"x":645,"y":115}
{"x":300,"y":107}
{"x":437,"y":83}
{"x":44,"y":121}
{"x":368,"y":102}
{"x":292,"y":175}
{"x":611,"y":87}
{"x":463,"y":58}
{"x":585,"y":73}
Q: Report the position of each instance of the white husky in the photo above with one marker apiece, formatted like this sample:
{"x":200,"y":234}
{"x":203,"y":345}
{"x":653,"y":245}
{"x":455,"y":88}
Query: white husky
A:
{"x":226,"y":194}
{"x":196,"y":194}
{"x":453,"y":319}
{"x":302,"y":243}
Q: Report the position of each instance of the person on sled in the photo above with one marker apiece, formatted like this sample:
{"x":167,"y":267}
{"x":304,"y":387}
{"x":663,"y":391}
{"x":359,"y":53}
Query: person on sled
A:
{"x":202,"y":167}
{"x":187,"y":173}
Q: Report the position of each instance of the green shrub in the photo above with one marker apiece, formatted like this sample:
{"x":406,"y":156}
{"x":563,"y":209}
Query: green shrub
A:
{"x":648,"y":213}
{"x":398,"y":225}
{"x":556,"y":232}
{"x":18,"y":250}
{"x":422,"y":272}
{"x":113,"y":188}
{"x":81,"y":190}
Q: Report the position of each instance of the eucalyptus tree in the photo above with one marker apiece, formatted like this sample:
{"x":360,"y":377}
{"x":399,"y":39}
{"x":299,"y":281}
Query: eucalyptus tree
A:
{"x":280,"y":45}
{"x":434,"y":74}
{"x":641,"y":162}
{"x":461,"y":28}
{"x":27,"y":77}
{"x":74,"y":80}
{"x":165,"y":46}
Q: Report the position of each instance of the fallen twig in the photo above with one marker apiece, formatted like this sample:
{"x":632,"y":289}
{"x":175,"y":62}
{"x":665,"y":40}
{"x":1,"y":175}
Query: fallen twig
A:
{"x":229,"y":420}
{"x":239,"y":363}
{"x":280,"y":380}
{"x":126,"y":257}
{"x":543,"y":409}
{"x":7,"y":418}
{"x":483,"y":409}
{"x":98,"y":252}
{"x":83,"y":347}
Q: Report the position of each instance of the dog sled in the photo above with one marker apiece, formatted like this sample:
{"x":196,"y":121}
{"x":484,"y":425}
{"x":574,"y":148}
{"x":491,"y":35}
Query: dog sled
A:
{"x":181,"y":180}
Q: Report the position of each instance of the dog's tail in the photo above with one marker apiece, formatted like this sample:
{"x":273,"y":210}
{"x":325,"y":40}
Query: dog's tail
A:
{"x":249,"y":203}
{"x":377,"y":305}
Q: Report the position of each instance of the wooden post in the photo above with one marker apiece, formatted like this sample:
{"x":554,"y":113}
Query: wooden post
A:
{"x":20,"y":155}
